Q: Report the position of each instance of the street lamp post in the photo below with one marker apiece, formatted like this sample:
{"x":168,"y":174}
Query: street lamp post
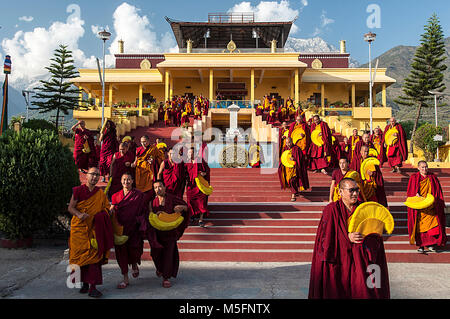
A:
{"x":436,"y":94}
{"x":104,"y":35}
{"x":26,"y":95}
{"x":370,"y":37}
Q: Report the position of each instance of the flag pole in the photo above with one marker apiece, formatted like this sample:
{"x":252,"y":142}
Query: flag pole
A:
{"x":4,"y":119}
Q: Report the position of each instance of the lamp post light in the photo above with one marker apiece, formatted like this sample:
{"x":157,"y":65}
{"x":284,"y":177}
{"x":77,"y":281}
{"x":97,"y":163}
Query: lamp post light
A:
{"x":26,"y":95}
{"x":104,"y":35}
{"x":436,"y":94}
{"x":370,"y":37}
{"x":207,"y":36}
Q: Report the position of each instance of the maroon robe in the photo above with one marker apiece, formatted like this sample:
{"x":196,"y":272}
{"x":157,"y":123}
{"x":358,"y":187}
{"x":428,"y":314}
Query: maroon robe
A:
{"x":382,"y":154}
{"x":82,"y":160}
{"x":339,"y":267}
{"x":197,"y":201}
{"x":318,"y":155}
{"x":164,"y":249}
{"x":161,"y":113}
{"x":436,"y":235}
{"x":301,"y":179}
{"x":380,"y":194}
{"x":344,"y":150}
{"x":130,"y":212}
{"x":398,"y":153}
{"x":305,"y":127}
{"x":108,"y":148}
{"x":351,"y":140}
{"x":118,"y":170}
{"x":355,"y":164}
{"x":174,"y":179}
{"x":92,"y":273}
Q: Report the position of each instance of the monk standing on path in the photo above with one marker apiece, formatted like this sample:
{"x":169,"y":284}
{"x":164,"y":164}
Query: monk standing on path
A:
{"x":397,"y":152}
{"x":164,"y":249}
{"x":318,"y":155}
{"x":91,"y":234}
{"x":128,"y":214}
{"x":84,"y":148}
{"x":339,"y":268}
{"x":295,"y":178}
{"x":426,"y":227}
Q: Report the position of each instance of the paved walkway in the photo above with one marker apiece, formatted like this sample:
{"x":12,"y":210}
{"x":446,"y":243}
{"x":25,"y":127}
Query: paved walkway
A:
{"x":41,"y":273}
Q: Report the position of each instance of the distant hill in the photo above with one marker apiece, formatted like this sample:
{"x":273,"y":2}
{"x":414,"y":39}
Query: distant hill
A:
{"x":398,"y":63}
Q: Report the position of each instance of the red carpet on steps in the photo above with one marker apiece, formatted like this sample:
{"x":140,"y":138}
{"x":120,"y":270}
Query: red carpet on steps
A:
{"x":253,"y":220}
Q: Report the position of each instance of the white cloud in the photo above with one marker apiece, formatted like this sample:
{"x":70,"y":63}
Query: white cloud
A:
{"x":31,"y":51}
{"x":26,"y":19}
{"x":137,"y":33}
{"x":324,"y":22}
{"x":270,"y":11}
{"x":304,"y":3}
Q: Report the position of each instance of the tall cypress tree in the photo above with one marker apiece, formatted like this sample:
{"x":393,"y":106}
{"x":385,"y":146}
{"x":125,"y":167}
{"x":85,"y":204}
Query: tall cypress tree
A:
{"x":426,"y":73}
{"x":58,"y":93}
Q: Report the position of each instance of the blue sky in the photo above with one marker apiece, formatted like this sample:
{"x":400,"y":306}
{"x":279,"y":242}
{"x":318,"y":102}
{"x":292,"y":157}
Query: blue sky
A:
{"x":30,"y":27}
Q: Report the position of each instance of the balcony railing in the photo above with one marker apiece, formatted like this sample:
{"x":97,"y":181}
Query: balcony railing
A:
{"x":219,"y":104}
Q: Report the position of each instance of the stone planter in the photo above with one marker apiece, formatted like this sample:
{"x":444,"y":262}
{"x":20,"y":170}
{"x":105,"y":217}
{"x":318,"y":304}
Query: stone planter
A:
{"x":16,"y":243}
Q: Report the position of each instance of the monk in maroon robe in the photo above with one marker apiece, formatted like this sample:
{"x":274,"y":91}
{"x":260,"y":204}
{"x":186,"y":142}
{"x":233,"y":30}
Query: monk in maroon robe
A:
{"x":295,"y":178}
{"x":281,"y":137}
{"x":398,"y":152}
{"x":377,"y":140}
{"x":172,"y":172}
{"x":341,"y":260}
{"x":356,"y":158}
{"x":305,"y":141}
{"x":373,"y":187}
{"x":345,"y":148}
{"x":426,"y":227}
{"x":90,"y":224}
{"x":352,"y":142}
{"x":120,"y":164}
{"x":318,"y":154}
{"x":161,"y":112}
{"x":128,"y":211}
{"x":108,"y":138}
{"x":164,"y":249}
{"x":84,"y":148}
{"x":197,"y":201}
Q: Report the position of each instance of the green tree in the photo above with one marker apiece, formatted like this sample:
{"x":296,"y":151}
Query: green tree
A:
{"x":58,"y":93}
{"x":426,"y":73}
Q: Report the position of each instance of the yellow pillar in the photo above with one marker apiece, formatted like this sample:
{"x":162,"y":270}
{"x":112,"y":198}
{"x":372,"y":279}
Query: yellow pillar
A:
{"x":353,"y":95}
{"x":97,"y":101}
{"x":171,"y":87}
{"x":140,"y":99}
{"x":322,"y":95}
{"x":211,"y":84}
{"x":110,"y":101}
{"x":252,"y":86}
{"x":366,"y":101}
{"x":166,"y":96}
{"x":291,"y":80}
{"x":80,"y":96}
{"x":296,"y":80}
{"x":383,"y":95}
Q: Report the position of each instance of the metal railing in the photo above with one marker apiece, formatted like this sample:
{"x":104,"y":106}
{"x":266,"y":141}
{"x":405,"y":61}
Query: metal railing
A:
{"x":223,"y":104}
{"x":238,"y":17}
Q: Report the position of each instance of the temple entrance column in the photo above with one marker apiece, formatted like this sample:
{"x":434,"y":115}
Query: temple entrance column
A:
{"x":383,"y":95}
{"x":166,"y":82}
{"x":353,"y":95}
{"x":322,"y":95}
{"x":296,"y":84}
{"x":211,"y":84}
{"x":252,"y":87}
{"x":171,"y":87}
{"x":140,"y":99}
{"x":110,"y":99}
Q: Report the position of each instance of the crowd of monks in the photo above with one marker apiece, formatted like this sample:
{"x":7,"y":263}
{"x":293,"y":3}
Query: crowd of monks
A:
{"x":176,"y":112}
{"x":150,"y":178}
{"x":342,"y":260}
{"x":144,"y":179}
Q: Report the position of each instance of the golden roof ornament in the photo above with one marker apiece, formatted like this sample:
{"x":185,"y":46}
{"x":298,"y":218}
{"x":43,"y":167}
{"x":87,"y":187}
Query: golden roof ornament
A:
{"x":316,"y":64}
{"x":145,"y":64}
